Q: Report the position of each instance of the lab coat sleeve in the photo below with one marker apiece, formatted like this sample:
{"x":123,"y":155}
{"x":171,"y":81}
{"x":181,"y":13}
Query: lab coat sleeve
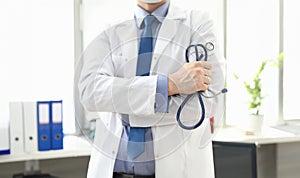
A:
{"x":101,"y":91}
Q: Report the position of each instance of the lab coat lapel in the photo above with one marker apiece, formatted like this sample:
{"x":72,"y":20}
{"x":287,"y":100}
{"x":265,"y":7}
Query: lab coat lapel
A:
{"x":167,"y":32}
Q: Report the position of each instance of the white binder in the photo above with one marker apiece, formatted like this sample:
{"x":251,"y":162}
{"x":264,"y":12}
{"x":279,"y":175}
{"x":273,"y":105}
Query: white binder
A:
{"x":4,"y":138}
{"x":16,"y":128}
{"x":30,"y":127}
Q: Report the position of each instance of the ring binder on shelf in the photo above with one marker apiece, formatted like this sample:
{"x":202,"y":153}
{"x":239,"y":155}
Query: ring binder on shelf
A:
{"x":56,"y":125}
{"x":44,"y":129}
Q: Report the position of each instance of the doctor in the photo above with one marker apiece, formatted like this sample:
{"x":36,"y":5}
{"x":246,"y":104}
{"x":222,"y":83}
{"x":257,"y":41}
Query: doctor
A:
{"x":135,"y":76}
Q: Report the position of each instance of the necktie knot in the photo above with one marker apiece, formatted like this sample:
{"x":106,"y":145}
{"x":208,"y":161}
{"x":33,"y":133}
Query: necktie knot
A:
{"x":148,"y":20}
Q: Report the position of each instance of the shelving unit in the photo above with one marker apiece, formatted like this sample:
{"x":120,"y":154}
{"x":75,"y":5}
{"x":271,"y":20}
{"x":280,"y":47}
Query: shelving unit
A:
{"x":73,"y":147}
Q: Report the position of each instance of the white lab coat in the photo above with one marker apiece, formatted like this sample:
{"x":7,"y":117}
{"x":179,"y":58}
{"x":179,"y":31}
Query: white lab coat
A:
{"x":108,"y":85}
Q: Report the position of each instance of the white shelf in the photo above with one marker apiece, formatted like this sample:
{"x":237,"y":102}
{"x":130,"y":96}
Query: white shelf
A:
{"x":73,"y":147}
{"x":268,"y":136}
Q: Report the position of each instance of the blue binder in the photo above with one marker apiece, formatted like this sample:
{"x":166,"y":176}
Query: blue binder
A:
{"x":44,"y":130}
{"x":56,"y":125}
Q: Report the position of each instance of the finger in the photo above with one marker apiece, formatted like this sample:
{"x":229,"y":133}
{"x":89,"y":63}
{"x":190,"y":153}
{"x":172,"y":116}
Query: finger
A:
{"x":198,"y":64}
{"x":205,"y":65}
{"x":201,"y":86}
{"x":206,"y":80}
{"x":205,"y":87}
{"x":207,"y":73}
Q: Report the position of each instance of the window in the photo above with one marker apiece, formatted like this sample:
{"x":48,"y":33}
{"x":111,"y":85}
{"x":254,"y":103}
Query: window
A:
{"x":252,"y":36}
{"x":37,"y":54}
{"x":291,"y":72}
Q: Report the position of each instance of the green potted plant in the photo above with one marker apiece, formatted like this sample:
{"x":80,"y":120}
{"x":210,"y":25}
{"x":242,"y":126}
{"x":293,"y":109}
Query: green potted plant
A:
{"x":254,"y":89}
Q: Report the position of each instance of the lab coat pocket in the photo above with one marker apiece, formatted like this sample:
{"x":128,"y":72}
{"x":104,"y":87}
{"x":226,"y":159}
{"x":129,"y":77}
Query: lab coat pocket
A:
{"x":118,"y":62}
{"x":123,"y":66}
{"x":206,"y":135}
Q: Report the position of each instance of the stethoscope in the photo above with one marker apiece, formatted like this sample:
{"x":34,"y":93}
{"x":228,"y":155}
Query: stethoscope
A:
{"x":200,"y":52}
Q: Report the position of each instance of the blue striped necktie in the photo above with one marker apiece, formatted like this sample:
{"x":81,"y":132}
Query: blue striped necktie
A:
{"x":136,"y":140}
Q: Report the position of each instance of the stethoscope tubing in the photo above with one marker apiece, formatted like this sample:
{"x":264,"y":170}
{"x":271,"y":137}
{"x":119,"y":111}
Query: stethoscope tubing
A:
{"x":198,"y":58}
{"x":199,"y":93}
{"x":181,"y":107}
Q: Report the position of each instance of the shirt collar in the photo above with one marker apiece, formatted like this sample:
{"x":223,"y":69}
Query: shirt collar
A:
{"x":159,"y":13}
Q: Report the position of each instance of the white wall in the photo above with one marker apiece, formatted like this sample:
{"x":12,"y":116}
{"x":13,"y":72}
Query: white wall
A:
{"x":37,"y":54}
{"x":97,"y":14}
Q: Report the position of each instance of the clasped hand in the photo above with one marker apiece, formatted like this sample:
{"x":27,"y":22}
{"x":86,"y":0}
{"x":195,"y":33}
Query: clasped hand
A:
{"x":190,"y":78}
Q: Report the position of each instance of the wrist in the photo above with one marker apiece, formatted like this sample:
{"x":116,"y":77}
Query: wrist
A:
{"x":172,"y":89}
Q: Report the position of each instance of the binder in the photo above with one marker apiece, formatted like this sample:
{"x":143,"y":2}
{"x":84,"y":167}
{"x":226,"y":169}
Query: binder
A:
{"x":44,"y":130}
{"x":30,"y":127}
{"x":16,"y":127}
{"x":56,"y":125}
{"x":4,"y":138}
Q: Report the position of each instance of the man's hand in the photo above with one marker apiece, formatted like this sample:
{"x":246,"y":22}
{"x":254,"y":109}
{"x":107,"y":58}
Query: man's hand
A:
{"x":190,"y":78}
